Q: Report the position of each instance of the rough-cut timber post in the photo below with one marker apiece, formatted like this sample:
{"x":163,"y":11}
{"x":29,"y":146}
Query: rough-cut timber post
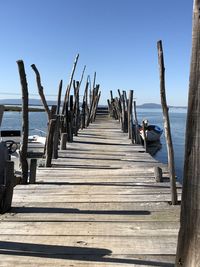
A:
{"x":76,"y":110}
{"x":130,"y":107}
{"x":125,"y":112}
{"x":33,"y":168}
{"x":189,"y":235}
{"x":59,"y":97}
{"x":170,"y":150}
{"x":158,"y":174}
{"x":96,"y":105}
{"x":40,"y":91}
{"x":63,"y":141}
{"x":137,"y":133}
{"x":49,"y":143}
{"x":9,"y":185}
{"x":70,"y":120}
{"x":1,"y":112}
{"x":83,"y":115}
{"x":144,"y":135}
{"x":25,"y":127}
{"x":58,"y":124}
{"x":82,"y":75}
{"x":67,"y":93}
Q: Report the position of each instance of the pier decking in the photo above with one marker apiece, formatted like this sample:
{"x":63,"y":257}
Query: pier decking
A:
{"x":99,"y":205}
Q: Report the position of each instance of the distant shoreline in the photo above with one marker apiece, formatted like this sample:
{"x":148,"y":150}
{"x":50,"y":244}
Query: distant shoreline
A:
{"x":38,"y":103}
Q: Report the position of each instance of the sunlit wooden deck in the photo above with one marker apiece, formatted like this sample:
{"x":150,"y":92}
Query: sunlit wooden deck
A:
{"x":99,"y":205}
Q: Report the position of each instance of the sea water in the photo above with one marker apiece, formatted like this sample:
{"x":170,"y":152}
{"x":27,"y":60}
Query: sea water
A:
{"x":38,"y":120}
{"x":177,"y":124}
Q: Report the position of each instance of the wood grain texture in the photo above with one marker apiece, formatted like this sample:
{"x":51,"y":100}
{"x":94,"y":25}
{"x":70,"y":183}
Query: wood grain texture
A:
{"x":99,"y":205}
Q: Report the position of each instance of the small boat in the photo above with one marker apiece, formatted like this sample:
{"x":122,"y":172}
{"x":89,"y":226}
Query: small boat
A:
{"x":12,"y":139}
{"x":153,"y":132}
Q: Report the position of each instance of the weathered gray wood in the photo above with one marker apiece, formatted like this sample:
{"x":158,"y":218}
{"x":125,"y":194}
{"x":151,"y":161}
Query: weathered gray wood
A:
{"x":25,"y":121}
{"x":56,"y":138}
{"x":67,"y":93}
{"x":137,"y":134}
{"x":33,"y":168}
{"x":189,"y":241}
{"x":100,"y":194}
{"x":59,"y":97}
{"x":41,"y":91}
{"x":2,"y":108}
{"x":158,"y":174}
{"x":9,"y":184}
{"x":170,"y":150}
{"x":144,"y":135}
{"x":130,"y":107}
{"x":63,"y":141}
{"x":49,"y":142}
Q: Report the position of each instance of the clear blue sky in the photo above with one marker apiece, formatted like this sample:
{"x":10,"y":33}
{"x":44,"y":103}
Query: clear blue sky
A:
{"x":115,"y":38}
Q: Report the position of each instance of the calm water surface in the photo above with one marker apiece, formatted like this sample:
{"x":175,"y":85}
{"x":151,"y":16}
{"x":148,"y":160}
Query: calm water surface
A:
{"x":12,"y":120}
{"x":177,"y":123}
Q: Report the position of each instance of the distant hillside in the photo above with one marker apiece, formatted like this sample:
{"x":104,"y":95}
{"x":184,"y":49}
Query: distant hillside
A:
{"x":149,"y":105}
{"x":154,"y":105}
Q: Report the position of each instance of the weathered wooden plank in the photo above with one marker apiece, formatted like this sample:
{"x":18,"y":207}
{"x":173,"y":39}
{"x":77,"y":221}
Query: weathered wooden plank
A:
{"x":99,"y":205}
{"x":137,"y":228}
{"x":86,"y":260}
{"x":93,"y":198}
{"x":79,"y":244}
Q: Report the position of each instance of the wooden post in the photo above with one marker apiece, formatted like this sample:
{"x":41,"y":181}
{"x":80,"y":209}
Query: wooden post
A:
{"x":137,"y":133}
{"x":25,"y":127}
{"x":33,"y":168}
{"x":144,"y":134}
{"x":67,"y":94}
{"x":49,"y":143}
{"x":59,"y":97}
{"x":130,"y":107}
{"x":1,"y":113}
{"x":158,"y":174}
{"x":40,"y":91}
{"x":9,"y":184}
{"x":188,"y":239}
{"x":83,"y":115}
{"x":63,"y":141}
{"x":56,"y":137}
{"x":170,"y":151}
{"x":96,"y":106}
{"x":70,"y":121}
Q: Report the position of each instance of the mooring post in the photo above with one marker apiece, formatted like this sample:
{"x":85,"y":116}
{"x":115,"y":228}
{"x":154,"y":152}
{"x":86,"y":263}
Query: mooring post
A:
{"x":67,"y":93}
{"x":63,"y":141}
{"x":33,"y":168}
{"x":137,"y":133}
{"x":158,"y":174}
{"x":130,"y":107}
{"x":170,"y":150}
{"x":25,"y":122}
{"x":144,"y":135}
{"x":49,"y":146}
{"x":9,"y":185}
{"x":189,"y":233}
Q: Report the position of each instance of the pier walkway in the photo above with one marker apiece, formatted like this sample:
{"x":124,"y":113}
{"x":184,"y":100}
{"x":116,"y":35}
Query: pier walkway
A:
{"x":99,"y":205}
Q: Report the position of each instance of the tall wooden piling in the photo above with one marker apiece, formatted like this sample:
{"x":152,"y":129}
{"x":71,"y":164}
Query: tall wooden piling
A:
{"x":188,"y":240}
{"x":41,"y":91}
{"x":137,"y":133}
{"x":130,"y":107}
{"x":25,"y":122}
{"x":49,"y":143}
{"x":67,"y":93}
{"x":9,"y":185}
{"x":170,"y":151}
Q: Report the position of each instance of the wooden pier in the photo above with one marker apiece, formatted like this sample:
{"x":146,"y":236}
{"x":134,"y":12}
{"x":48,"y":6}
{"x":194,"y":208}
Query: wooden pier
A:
{"x":98,"y":205}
